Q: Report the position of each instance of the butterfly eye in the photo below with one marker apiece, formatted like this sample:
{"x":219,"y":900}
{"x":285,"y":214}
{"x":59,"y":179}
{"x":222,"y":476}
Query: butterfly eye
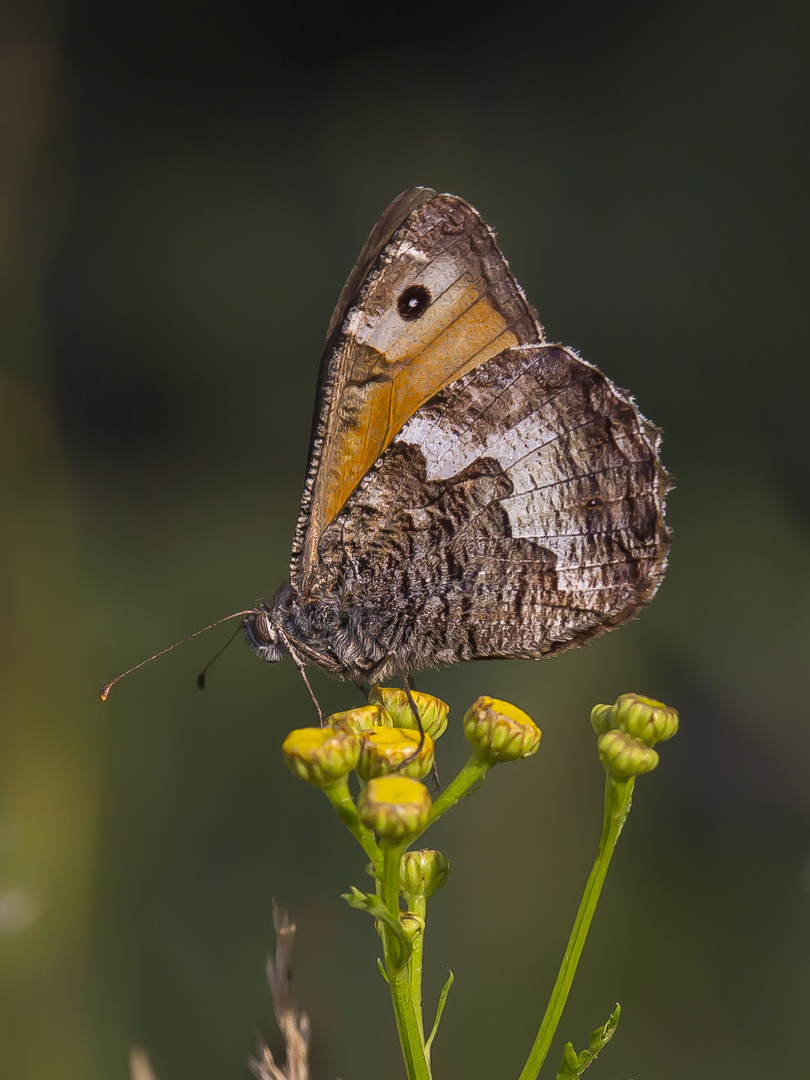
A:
{"x":260,"y":625}
{"x":413,"y":302}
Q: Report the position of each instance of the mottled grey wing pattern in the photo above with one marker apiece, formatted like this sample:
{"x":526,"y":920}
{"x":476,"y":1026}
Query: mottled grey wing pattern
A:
{"x":517,"y":513}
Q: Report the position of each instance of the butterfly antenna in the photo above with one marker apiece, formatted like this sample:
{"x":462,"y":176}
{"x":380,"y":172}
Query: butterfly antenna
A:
{"x":104,"y":692}
{"x":216,"y":656}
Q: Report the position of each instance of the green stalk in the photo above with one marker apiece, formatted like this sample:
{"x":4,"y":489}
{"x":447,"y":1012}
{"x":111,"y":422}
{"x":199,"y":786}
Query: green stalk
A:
{"x":341,"y":799}
{"x":618,"y":795}
{"x":418,"y":905}
{"x":409,"y":1024}
{"x":469,"y":778}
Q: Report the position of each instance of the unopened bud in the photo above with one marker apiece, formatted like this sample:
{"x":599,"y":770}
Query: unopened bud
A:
{"x":321,"y":755}
{"x":644,"y":718}
{"x":499,"y":731}
{"x":394,"y":807}
{"x":602,"y":718}
{"x":412,"y":924}
{"x":387,"y":750}
{"x":624,"y":756}
{"x":432,"y":711}
{"x":423,"y":872}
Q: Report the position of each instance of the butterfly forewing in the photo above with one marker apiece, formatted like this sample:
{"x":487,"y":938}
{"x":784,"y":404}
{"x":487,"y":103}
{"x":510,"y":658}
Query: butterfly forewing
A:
{"x":438,"y":300}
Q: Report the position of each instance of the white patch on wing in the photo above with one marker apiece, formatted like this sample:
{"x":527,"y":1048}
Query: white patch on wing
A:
{"x":532,"y":514}
{"x":448,"y":452}
{"x":391,"y":335}
{"x":406,"y":250}
{"x":548,"y":492}
{"x":355,"y":319}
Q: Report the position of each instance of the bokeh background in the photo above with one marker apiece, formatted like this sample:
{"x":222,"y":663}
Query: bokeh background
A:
{"x":183,"y":189}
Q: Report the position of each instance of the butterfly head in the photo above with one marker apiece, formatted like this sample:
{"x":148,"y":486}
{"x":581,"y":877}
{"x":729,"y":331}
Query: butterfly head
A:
{"x":264,"y":635}
{"x":270,"y":630}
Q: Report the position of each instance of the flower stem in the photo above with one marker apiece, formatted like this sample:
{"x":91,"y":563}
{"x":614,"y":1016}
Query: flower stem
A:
{"x":409,"y":1024}
{"x":410,"y":1040}
{"x":618,"y":794}
{"x":340,"y":797}
{"x":468,"y":779}
{"x":419,"y":907}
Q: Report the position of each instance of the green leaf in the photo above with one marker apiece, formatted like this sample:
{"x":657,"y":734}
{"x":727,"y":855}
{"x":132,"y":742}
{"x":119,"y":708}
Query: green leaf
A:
{"x":439,"y":1010}
{"x":360,"y":900}
{"x":573,"y":1065}
{"x":374,"y":906}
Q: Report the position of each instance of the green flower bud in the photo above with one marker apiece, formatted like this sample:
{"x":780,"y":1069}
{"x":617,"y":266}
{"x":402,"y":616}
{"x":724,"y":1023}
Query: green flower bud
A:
{"x":645,"y":719}
{"x":358,"y":720}
{"x":422,"y":873}
{"x":321,"y":755}
{"x":499,"y":731}
{"x":602,"y":718}
{"x":624,"y":756}
{"x":432,"y":711}
{"x":387,"y":750}
{"x":412,"y":924}
{"x":395,"y":808}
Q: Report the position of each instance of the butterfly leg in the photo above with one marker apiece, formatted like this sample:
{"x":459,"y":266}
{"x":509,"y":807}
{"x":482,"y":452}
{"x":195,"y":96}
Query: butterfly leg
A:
{"x":379,"y":671}
{"x":406,"y":678}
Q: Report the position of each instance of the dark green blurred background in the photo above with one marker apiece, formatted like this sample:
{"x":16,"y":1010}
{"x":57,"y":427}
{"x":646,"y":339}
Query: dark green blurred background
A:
{"x":183,"y":190}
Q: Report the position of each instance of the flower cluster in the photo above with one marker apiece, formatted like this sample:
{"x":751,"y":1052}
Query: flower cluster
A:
{"x":389,"y":746}
{"x":628,"y":730}
{"x":390,"y":743}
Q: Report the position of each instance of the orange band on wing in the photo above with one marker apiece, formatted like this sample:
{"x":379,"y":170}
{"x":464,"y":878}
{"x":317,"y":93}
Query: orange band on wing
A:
{"x":386,"y":389}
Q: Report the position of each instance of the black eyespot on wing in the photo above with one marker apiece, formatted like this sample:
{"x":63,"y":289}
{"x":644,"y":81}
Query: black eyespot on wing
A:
{"x":413,"y":302}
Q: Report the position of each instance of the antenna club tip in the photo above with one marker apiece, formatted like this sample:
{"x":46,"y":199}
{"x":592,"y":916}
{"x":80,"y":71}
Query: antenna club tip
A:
{"x":104,"y":692}
{"x":201,"y":681}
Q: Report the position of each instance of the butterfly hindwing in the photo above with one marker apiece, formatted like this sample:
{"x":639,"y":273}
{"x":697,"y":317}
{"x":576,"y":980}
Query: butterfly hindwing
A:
{"x":516,"y":513}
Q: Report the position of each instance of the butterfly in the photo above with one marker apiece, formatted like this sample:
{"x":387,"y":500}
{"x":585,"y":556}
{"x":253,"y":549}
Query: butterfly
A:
{"x":473,"y":490}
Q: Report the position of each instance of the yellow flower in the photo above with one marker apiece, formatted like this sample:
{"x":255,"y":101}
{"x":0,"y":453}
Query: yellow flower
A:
{"x":388,"y":750}
{"x":499,"y":731}
{"x":432,"y":711}
{"x":321,"y":755}
{"x":357,"y":720}
{"x":395,"y":808}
